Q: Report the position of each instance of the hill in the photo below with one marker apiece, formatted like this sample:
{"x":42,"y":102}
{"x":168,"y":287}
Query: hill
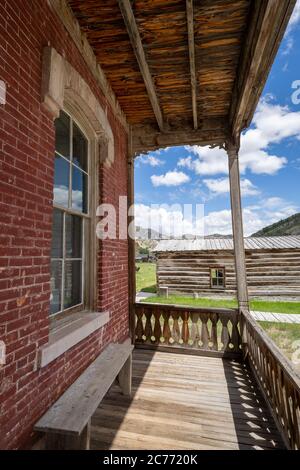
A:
{"x":289,"y":226}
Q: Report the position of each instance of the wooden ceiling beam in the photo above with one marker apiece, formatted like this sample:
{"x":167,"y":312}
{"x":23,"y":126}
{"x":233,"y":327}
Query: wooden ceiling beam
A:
{"x":191,"y":41}
{"x":211,"y":131}
{"x":267,"y":26}
{"x":135,"y":39}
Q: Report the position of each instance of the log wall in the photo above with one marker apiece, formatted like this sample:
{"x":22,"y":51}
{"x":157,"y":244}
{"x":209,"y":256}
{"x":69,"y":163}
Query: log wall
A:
{"x":269,"y":272}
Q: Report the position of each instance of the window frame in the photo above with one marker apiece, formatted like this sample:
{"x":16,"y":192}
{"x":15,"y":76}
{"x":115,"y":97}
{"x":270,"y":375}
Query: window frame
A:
{"x":87,"y":294}
{"x":218,"y":268}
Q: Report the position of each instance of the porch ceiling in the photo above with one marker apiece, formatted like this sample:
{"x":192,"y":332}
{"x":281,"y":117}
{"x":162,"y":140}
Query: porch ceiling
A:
{"x":183,"y":70}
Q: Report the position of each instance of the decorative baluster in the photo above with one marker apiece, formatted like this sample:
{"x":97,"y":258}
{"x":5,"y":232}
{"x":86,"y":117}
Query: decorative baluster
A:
{"x":157,"y":327}
{"x":185,"y":328}
{"x":176,"y":328}
{"x":139,"y":330}
{"x":296,"y":416}
{"x":225,"y":338}
{"x":204,"y":331}
{"x":194,"y":330}
{"x":148,"y":326}
{"x":235,"y":337}
{"x":214,"y":331}
{"x":166,"y":328}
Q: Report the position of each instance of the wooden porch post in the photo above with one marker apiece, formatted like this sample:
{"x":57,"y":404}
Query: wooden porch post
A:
{"x":131,"y":241}
{"x":237,"y":225}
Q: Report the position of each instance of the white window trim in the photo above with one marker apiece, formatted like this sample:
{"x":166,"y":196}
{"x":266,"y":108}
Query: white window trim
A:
{"x":63,"y":88}
{"x":67,"y":334}
{"x":86,"y":258}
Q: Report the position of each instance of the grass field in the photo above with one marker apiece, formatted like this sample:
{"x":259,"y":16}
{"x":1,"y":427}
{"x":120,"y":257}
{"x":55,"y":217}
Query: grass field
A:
{"x":146,"y":282}
{"x":287,"y":338}
{"x":146,"y":277}
{"x":261,"y":305}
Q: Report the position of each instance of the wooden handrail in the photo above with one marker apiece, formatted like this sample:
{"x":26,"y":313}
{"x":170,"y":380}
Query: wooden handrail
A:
{"x":206,"y":330}
{"x":278,"y":380}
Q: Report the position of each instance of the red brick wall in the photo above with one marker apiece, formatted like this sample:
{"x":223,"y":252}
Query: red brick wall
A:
{"x":26,"y":188}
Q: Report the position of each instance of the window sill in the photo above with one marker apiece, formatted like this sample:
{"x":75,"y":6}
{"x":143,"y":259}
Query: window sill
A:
{"x":65,"y":335}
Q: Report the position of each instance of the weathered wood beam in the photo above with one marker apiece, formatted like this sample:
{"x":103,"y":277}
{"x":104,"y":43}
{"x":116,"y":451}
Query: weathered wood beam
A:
{"x":267,"y":26}
{"x":131,"y":237}
{"x":212,"y":131}
{"x":237,"y":226}
{"x":135,"y":39}
{"x":190,"y":26}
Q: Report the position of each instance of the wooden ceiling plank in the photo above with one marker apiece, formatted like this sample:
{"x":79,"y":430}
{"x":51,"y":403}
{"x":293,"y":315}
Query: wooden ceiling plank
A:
{"x":269,"y":22}
{"x":66,"y":15}
{"x":135,"y":39}
{"x":191,"y":41}
{"x":212,"y":131}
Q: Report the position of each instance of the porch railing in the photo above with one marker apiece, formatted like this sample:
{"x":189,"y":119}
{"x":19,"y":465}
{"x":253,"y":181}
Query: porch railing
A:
{"x":278,"y":380}
{"x":203,"y":331}
{"x":226,"y":332}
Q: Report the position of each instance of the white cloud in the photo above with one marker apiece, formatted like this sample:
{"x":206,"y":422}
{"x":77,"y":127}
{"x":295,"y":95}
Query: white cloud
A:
{"x":288,"y":46}
{"x":150,"y":160}
{"x":171,"y":178}
{"x":221,"y":186}
{"x":295,"y":18}
{"x":174,"y":220}
{"x":288,"y":43}
{"x":209,"y":162}
{"x":61,"y":196}
{"x":272,"y":124}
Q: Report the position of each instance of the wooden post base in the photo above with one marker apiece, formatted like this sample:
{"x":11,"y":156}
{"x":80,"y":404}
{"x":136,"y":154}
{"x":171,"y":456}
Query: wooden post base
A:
{"x":55,"y":441}
{"x":125,"y":377}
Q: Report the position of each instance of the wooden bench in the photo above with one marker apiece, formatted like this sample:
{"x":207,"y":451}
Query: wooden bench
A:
{"x":67,"y":423}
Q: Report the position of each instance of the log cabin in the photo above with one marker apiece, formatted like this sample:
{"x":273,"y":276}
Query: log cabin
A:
{"x":85,"y":87}
{"x":206,"y":266}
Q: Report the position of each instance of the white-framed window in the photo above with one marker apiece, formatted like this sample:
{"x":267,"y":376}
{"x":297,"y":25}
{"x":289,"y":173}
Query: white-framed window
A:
{"x":217,"y":278}
{"x":71,"y":217}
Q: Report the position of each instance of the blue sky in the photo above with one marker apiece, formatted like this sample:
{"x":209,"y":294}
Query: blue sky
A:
{"x":269,"y":161}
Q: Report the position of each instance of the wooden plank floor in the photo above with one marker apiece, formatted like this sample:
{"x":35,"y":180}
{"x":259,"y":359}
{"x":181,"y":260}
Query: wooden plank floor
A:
{"x":185,"y":402}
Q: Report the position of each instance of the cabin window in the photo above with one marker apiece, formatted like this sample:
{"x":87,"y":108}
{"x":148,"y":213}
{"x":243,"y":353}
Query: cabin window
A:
{"x":217,"y":277}
{"x":71,"y":216}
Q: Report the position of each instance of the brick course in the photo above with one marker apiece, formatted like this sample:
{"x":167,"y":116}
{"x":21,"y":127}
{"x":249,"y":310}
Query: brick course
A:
{"x":26,"y":194}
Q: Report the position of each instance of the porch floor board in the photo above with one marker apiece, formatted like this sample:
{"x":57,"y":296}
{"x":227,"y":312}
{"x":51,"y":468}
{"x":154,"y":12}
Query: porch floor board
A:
{"x":185,"y":402}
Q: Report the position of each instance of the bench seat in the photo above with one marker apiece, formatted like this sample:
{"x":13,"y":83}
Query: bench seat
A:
{"x":67,"y":422}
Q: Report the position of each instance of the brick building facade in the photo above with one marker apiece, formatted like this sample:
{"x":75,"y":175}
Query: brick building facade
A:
{"x":27,"y":147}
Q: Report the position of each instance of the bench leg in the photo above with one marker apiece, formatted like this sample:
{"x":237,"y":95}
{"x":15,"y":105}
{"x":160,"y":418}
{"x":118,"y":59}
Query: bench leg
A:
{"x":55,"y":441}
{"x":125,"y":377}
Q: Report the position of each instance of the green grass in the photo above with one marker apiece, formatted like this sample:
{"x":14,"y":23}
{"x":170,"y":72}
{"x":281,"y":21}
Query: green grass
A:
{"x":146,"y":282}
{"x":261,"y":305}
{"x":146,"y":277}
{"x":286,"y":336}
{"x":178,"y":300}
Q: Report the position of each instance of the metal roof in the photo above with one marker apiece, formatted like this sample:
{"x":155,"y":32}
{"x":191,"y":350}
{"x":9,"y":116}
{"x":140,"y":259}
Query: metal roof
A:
{"x":217,"y":244}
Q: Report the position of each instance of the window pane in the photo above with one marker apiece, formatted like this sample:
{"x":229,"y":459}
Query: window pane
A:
{"x":72,"y":283}
{"x":62,"y":135}
{"x":79,"y":190}
{"x":57,"y":234}
{"x":215,"y":281}
{"x":220,"y":273}
{"x":213,"y":273}
{"x":80,"y":148}
{"x":55,"y":283}
{"x":73,"y":236}
{"x":61,"y":181}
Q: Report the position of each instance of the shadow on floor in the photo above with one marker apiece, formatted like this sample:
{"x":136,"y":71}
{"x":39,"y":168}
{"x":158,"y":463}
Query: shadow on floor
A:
{"x":185,"y":402}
